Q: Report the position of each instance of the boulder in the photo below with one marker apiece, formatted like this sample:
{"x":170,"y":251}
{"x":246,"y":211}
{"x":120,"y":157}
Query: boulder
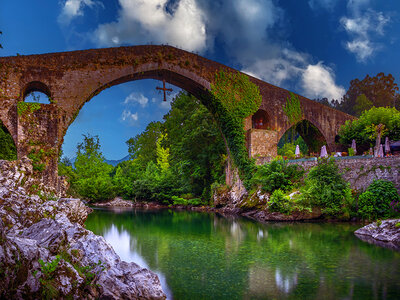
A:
{"x":384,"y":234}
{"x":45,"y":251}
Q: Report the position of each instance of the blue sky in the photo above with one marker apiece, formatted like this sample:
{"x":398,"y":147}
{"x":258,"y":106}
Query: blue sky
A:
{"x":312,"y":47}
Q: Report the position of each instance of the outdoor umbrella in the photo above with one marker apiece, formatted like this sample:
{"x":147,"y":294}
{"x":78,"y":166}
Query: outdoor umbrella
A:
{"x":353,"y":145}
{"x":297,"y":152}
{"x":387,"y":146}
{"x":324,"y":153}
{"x":380,"y":152}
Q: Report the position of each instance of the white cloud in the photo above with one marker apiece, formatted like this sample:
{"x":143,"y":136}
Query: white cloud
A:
{"x":129,"y":117}
{"x":318,"y":81}
{"x":134,"y":98}
{"x":74,"y":8}
{"x":363,"y":26}
{"x":147,"y":21}
{"x":277,"y":70}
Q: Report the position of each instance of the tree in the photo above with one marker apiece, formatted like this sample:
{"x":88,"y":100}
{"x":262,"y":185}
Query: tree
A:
{"x":143,"y":145}
{"x":381,"y":90}
{"x":362,"y":104}
{"x":364,"y":129}
{"x":196,"y":144}
{"x":93,"y":180}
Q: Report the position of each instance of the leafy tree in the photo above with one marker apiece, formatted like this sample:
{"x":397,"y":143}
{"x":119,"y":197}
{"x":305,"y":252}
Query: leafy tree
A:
{"x":162,"y":154}
{"x":8,"y":151}
{"x":196,"y":145}
{"x":143,"y":145}
{"x":93,"y":180}
{"x":362,"y":104}
{"x":381,"y":90}
{"x":363,"y":130}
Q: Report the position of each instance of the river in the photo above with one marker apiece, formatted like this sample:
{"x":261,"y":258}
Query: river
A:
{"x":207,"y":256}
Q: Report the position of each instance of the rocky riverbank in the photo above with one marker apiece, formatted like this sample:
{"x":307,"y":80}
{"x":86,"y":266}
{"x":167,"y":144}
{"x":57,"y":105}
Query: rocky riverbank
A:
{"x":45,"y":251}
{"x":385,"y":234}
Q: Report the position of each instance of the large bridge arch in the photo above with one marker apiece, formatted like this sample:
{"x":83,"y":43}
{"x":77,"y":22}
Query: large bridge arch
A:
{"x":73,"y":78}
{"x":312,"y":134}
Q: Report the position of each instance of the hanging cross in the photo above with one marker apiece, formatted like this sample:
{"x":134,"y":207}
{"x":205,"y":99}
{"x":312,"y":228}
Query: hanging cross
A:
{"x":164,"y":89}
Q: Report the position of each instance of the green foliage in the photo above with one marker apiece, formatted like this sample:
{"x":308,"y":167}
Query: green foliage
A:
{"x":237,"y":94}
{"x":93,"y":180}
{"x":24,"y":108}
{"x":197,"y":150}
{"x":162,"y":154}
{"x":351,"y":151}
{"x":380,"y":90}
{"x":292,"y":109}
{"x":278,"y":174}
{"x":279,"y":202}
{"x":326,"y":188}
{"x":362,"y":104}
{"x":37,"y":156}
{"x":363,"y":129}
{"x":49,"y":289}
{"x":378,"y":201}
{"x":8,"y":151}
{"x":235,"y":98}
{"x":143,"y":145}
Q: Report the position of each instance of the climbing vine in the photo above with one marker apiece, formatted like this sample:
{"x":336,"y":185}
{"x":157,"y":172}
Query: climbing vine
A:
{"x":235,"y":98}
{"x":27,"y":107}
{"x":292,"y":109}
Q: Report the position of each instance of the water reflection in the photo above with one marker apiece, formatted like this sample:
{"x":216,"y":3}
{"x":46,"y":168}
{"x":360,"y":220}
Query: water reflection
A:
{"x":124,"y":245}
{"x":206,"y":256}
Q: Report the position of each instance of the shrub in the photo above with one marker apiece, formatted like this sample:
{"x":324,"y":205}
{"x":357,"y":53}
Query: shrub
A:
{"x":277,"y":175}
{"x":325,"y":188}
{"x":279,"y":202}
{"x":378,"y":200}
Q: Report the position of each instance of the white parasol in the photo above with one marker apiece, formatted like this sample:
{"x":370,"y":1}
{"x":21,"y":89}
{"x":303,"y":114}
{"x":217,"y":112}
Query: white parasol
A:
{"x":297,"y":152}
{"x":380,"y":151}
{"x":353,"y":145}
{"x":324,"y":153}
{"x":387,"y":146}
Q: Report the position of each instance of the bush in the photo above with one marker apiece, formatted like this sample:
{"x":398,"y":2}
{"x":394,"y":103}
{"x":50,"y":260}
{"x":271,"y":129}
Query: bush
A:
{"x":279,"y":202}
{"x":378,"y":201}
{"x":325,"y":188}
{"x":277,"y":175}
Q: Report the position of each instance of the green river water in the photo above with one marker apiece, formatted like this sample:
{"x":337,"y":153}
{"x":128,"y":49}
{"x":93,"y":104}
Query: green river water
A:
{"x":207,"y":256}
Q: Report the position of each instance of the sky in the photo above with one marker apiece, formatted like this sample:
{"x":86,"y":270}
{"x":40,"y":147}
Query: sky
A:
{"x":311,"y":47}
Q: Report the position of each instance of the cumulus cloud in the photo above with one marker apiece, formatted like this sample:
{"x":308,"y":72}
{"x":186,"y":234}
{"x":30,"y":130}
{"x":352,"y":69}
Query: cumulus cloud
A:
{"x":363,"y":26}
{"x":129,"y":117}
{"x":147,"y":21}
{"x":136,"y":98}
{"x":74,"y":8}
{"x":318,"y":81}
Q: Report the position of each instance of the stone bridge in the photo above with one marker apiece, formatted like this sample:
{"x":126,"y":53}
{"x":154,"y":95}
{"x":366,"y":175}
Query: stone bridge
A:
{"x":70,"y":79}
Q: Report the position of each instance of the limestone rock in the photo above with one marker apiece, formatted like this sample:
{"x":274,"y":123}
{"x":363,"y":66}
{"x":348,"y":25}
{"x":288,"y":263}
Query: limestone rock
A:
{"x":386,"y":234}
{"x":36,"y":233}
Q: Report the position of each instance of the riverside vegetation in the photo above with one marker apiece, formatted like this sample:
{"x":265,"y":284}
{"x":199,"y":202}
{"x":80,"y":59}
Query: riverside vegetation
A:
{"x":180,"y":161}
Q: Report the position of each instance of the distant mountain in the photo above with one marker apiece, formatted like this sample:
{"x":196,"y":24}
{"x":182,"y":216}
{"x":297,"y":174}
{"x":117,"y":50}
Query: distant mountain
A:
{"x":112,"y":162}
{"x":116,"y":162}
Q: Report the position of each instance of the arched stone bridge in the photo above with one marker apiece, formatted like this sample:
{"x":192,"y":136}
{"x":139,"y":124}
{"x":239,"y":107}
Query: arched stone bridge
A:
{"x":72,"y":78}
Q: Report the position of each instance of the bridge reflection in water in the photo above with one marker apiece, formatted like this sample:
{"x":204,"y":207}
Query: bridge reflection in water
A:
{"x":206,"y":256}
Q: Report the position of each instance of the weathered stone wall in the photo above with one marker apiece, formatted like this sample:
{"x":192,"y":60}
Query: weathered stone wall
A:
{"x":262,"y":142}
{"x":360,"y":172}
